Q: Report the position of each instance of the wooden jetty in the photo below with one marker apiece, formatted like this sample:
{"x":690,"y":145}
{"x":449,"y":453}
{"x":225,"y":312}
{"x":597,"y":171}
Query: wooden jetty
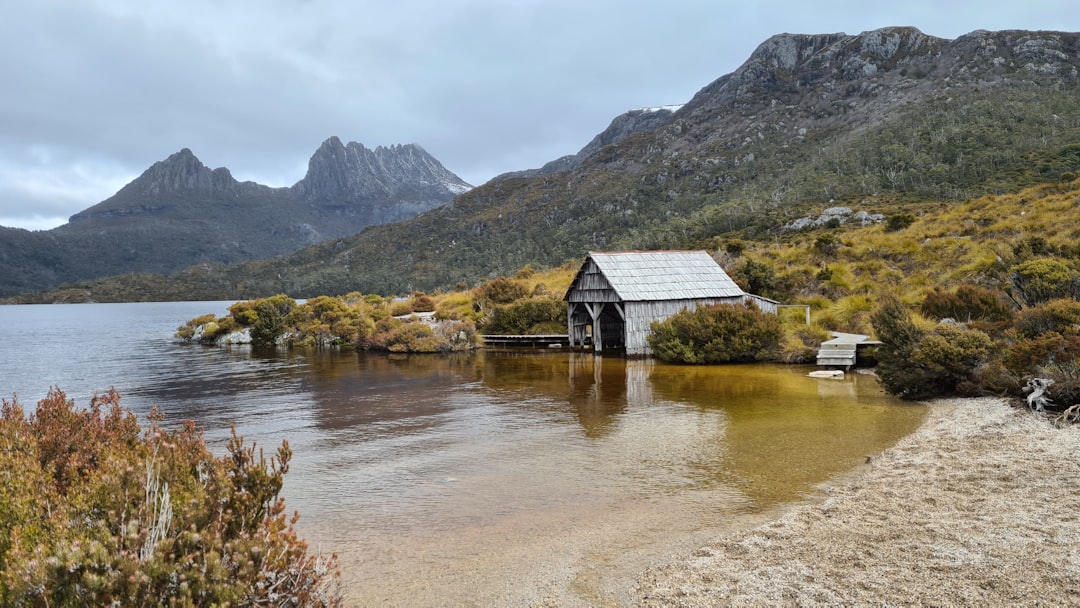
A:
{"x":843,"y":349}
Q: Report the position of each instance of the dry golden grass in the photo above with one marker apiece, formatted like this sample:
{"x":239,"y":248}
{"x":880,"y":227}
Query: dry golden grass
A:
{"x":948,"y":245}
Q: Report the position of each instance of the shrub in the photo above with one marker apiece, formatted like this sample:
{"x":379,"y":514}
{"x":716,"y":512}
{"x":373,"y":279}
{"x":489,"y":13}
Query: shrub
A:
{"x":1057,"y":316}
{"x":949,"y":355}
{"x":187,"y":330}
{"x":455,"y":306}
{"x":1043,"y":279}
{"x":401,"y":308}
{"x":422,"y":303}
{"x":1065,"y":389}
{"x":323,"y":321}
{"x":916,"y":364}
{"x":524,"y":317}
{"x":94,"y":511}
{"x":756,"y":278}
{"x":900,"y":337}
{"x":1028,"y":354}
{"x":898,"y":222}
{"x":717,"y":334}
{"x":215,"y":329}
{"x":265,"y":317}
{"x":735,"y":247}
{"x":827,"y":244}
{"x":501,"y":291}
{"x":416,"y":336}
{"x":967,"y":303}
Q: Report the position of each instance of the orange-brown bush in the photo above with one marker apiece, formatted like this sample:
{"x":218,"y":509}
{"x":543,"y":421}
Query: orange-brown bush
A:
{"x":96,"y":511}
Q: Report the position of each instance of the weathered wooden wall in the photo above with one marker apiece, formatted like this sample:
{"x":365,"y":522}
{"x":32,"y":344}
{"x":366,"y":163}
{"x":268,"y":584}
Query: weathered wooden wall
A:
{"x":640,"y":315}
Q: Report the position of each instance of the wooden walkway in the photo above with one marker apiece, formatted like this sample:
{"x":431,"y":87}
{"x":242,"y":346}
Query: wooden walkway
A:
{"x":542,"y":340}
{"x":843,"y":349}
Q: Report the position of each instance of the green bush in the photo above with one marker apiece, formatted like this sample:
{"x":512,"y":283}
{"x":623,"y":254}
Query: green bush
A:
{"x":717,"y":334}
{"x":543,"y":315}
{"x":899,"y":337}
{"x":324,"y":321}
{"x":827,"y":244}
{"x":898,"y":222}
{"x":400,"y":309}
{"x":1042,"y":280}
{"x":913,"y":364}
{"x":187,"y":330}
{"x":95,"y":511}
{"x":501,"y":291}
{"x":757,"y":278}
{"x":949,"y":355}
{"x":265,"y":317}
{"x":967,"y":303}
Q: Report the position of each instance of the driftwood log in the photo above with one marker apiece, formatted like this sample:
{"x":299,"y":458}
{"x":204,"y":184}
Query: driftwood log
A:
{"x":1038,"y":400}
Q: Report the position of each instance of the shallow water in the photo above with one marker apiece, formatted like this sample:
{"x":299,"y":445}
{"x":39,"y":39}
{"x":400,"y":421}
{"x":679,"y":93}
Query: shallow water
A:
{"x":485,"y":478}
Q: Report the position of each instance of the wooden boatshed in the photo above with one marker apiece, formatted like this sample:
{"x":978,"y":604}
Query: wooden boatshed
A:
{"x":617,"y":295}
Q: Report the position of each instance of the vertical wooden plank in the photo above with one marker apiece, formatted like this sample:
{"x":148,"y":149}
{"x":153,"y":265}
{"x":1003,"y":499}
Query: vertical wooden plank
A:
{"x":570,"y":323}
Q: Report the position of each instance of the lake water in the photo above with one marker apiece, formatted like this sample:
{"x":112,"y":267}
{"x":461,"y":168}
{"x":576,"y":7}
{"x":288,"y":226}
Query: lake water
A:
{"x":491,"y":478}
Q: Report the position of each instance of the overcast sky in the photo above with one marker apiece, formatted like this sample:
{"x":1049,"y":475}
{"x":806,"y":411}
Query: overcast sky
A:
{"x":95,"y":91}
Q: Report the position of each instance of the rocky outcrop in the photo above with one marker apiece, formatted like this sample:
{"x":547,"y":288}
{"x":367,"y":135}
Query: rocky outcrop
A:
{"x":837,"y":216}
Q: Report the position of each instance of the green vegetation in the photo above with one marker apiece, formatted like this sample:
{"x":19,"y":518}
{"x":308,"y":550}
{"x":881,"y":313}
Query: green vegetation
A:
{"x":717,"y":334}
{"x":421,"y":323}
{"x":95,"y":511}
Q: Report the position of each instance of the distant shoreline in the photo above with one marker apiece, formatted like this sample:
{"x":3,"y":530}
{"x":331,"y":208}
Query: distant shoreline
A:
{"x":977,"y":507}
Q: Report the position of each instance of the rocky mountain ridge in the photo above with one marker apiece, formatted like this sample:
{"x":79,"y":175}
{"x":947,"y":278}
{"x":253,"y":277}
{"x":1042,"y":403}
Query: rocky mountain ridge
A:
{"x":352,"y":172}
{"x":179,"y":213}
{"x":622,"y":126}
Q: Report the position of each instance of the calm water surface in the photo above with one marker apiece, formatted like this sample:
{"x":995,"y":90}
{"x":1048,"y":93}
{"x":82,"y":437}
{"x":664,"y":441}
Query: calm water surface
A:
{"x":477,"y":479}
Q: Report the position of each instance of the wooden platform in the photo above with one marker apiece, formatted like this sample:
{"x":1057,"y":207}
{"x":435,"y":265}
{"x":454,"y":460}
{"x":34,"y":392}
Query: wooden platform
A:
{"x":539,"y":341}
{"x":843,"y":349}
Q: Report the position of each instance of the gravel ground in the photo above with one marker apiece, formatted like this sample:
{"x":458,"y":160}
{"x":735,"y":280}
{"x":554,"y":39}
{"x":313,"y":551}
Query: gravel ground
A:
{"x":979,"y":507}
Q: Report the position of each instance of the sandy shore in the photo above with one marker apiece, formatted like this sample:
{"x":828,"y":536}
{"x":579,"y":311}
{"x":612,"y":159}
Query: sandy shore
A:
{"x":979,"y":507}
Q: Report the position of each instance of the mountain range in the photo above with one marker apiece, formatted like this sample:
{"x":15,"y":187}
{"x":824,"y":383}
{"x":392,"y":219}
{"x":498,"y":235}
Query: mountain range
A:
{"x":884,"y":121}
{"x":180,"y":213}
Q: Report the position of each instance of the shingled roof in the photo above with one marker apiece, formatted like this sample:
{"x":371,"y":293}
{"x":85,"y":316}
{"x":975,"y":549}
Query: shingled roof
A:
{"x":663,"y":275}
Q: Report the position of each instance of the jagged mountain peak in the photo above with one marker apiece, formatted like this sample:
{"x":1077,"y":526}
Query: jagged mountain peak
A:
{"x":351,"y":171}
{"x":181,"y":174}
{"x":183,"y":171}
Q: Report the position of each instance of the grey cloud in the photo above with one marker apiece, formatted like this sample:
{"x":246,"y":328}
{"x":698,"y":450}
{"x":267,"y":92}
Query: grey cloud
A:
{"x":97,"y":91}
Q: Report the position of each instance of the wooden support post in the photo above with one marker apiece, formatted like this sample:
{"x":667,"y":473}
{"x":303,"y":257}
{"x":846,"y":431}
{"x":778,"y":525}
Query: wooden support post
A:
{"x":595,"y":310}
{"x":570,"y":323}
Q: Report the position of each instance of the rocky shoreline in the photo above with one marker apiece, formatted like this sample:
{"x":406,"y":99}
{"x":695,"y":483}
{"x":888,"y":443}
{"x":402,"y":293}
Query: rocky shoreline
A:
{"x":979,"y":507}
